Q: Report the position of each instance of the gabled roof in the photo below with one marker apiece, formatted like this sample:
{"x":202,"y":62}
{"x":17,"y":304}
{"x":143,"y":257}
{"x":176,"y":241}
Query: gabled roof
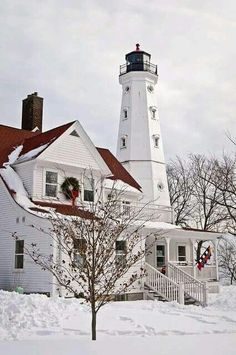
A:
{"x":45,"y":137}
{"x":117,"y":169}
{"x":11,"y":137}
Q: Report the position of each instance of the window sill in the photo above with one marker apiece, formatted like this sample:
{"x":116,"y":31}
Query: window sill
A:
{"x":18,"y":271}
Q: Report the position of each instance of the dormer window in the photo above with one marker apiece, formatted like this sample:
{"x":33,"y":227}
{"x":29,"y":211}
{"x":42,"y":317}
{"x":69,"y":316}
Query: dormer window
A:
{"x":156,"y":139}
{"x":125,"y":113}
{"x":153,"y":110}
{"x":123,"y":142}
{"x":51,"y":184}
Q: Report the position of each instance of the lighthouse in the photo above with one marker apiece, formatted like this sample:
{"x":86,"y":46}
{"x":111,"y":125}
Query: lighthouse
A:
{"x":139,"y":145}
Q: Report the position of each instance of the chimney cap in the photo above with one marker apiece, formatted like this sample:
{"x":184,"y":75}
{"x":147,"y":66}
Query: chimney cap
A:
{"x":33,"y":94}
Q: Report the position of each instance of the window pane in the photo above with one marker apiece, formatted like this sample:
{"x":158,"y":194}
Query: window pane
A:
{"x":19,"y":261}
{"x":88,"y":184}
{"x":80,"y":245}
{"x":19,"y":246}
{"x":181,"y":250}
{"x":121,"y":245}
{"x":181,"y":253}
{"x":78,"y":260}
{"x":88,"y":195}
{"x":51,"y":177}
{"x":120,"y":260}
{"x":160,"y":252}
{"x":51,"y":190}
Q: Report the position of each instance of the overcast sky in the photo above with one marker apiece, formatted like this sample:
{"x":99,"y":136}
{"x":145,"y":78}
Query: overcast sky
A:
{"x":70,"y":51}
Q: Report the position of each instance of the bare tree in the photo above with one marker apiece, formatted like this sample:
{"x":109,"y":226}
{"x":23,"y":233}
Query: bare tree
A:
{"x":181,"y":190}
{"x":227,"y":258}
{"x":99,"y":253}
{"x":196,"y":201}
{"x":208,"y":213}
{"x":224,"y":180}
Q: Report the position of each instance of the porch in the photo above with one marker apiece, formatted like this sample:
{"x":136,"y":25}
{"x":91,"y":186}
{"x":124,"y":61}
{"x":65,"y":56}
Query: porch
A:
{"x":178,"y":247}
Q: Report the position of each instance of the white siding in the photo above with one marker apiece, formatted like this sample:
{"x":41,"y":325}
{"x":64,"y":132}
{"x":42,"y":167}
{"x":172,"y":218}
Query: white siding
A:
{"x":70,"y":150}
{"x":31,"y":278}
{"x":25,"y":171}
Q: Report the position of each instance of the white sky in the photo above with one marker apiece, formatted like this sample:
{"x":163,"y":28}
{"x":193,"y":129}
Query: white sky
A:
{"x":70,"y":51}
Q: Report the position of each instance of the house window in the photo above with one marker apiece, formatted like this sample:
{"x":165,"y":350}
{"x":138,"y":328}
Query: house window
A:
{"x":120,"y":253}
{"x":123,"y":142}
{"x":160,"y":254}
{"x":88,"y":189}
{"x":51,"y":184}
{"x":181,"y":253}
{"x":80,"y":246}
{"x":19,"y":254}
{"x":125,"y":113}
{"x":126,"y":208}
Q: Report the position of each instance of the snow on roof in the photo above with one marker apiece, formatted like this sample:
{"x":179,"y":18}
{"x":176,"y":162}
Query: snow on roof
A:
{"x":31,"y":154}
{"x":120,"y":185}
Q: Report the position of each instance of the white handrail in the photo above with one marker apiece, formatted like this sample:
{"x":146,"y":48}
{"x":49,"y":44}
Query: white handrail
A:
{"x":192,"y":287}
{"x":162,"y":285}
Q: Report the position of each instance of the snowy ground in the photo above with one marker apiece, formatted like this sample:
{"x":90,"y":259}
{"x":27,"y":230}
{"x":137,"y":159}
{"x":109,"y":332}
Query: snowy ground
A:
{"x":33,"y":325}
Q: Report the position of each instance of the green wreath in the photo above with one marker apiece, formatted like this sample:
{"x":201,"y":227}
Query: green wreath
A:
{"x":70,"y":184}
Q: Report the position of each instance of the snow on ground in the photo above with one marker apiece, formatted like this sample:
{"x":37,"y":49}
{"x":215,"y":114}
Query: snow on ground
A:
{"x":36,"y":325}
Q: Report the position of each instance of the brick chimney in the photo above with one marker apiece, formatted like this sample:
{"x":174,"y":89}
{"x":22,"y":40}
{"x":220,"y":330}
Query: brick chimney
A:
{"x":32,"y":112}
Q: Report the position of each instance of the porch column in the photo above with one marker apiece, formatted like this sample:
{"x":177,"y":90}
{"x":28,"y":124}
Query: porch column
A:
{"x":193,"y":241}
{"x":167,"y":258}
{"x":216,"y":258}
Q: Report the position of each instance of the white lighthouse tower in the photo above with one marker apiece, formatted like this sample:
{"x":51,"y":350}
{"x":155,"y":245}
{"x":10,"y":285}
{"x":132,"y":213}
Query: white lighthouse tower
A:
{"x":139,"y":146}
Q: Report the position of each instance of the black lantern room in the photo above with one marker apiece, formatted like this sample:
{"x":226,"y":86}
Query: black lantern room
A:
{"x":138,"y":61}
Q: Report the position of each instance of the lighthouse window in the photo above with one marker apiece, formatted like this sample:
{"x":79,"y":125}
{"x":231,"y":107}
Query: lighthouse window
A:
{"x":125,"y":112}
{"x":156,"y":139}
{"x":153,"y":113}
{"x":123,"y":142}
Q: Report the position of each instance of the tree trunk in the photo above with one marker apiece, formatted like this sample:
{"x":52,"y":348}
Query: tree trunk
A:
{"x":94,"y":323}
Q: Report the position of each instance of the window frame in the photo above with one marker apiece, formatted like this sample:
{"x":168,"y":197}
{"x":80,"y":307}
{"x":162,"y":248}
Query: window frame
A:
{"x":153,"y":110}
{"x":123,"y":142}
{"x":125,"y":113}
{"x":50,"y":184}
{"x":79,"y":251}
{"x":156,"y":139}
{"x":181,"y":256}
{"x":159,"y":265}
{"x":120,"y":254}
{"x":19,"y":255}
{"x":87,"y":191}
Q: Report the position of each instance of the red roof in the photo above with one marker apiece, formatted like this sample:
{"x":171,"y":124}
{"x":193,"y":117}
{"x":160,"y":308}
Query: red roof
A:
{"x":64,"y":209}
{"x":45,"y":137}
{"x":12,"y":137}
{"x":117,"y":169}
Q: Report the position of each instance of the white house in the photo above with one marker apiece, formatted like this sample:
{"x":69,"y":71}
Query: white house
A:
{"x":33,"y":166}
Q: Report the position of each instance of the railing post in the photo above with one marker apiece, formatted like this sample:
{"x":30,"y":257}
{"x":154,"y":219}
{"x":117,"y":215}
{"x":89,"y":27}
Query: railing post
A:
{"x":205,"y":294}
{"x":181,"y":293}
